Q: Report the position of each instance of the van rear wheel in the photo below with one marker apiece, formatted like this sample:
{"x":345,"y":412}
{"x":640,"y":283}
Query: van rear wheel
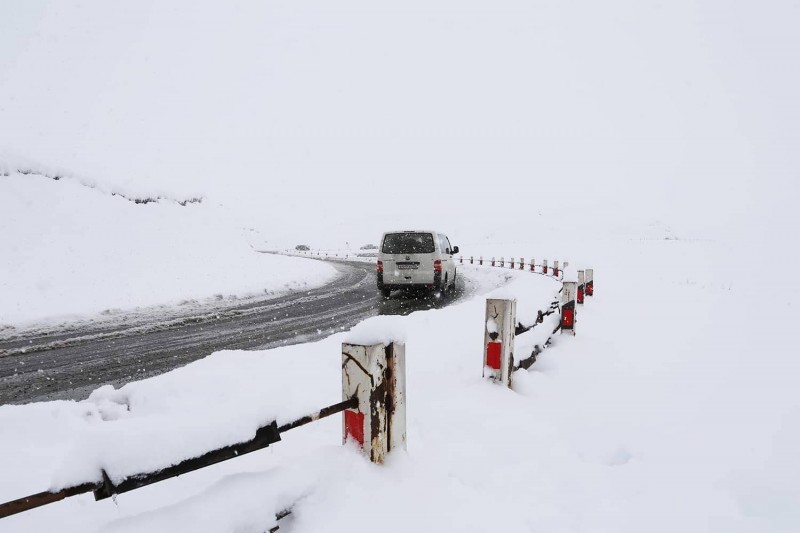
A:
{"x":386,"y":292}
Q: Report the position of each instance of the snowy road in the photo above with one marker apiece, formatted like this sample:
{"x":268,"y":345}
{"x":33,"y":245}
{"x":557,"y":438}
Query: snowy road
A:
{"x":70,"y":362}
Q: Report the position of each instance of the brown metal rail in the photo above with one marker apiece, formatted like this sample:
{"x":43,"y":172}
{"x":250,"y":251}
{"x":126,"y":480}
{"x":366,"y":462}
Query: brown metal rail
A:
{"x":265,"y":436}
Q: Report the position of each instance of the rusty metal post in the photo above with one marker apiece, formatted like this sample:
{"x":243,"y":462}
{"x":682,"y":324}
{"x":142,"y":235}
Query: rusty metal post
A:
{"x":544,"y":266}
{"x":581,"y":286}
{"x":568,"y":306}
{"x":376,"y":375}
{"x":589,"y":282}
{"x":498,"y":340}
{"x":555,"y":268}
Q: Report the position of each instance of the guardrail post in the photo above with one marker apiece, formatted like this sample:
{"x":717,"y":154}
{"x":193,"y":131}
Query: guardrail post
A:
{"x":492,"y":261}
{"x":480,"y":261}
{"x":544,"y":266}
{"x":498,"y":340}
{"x":376,"y":375}
{"x":461,"y":259}
{"x":502,"y":262}
{"x":522,"y":263}
{"x":581,"y":286}
{"x":555,"y":268}
{"x":533,"y":265}
{"x":512,"y":263}
{"x":471,"y":262}
{"x":589,"y":282}
{"x":568,"y":306}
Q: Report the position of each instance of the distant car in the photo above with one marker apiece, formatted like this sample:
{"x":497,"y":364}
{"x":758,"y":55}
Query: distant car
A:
{"x":409,"y":259}
{"x":302,"y":248}
{"x":369,"y":247}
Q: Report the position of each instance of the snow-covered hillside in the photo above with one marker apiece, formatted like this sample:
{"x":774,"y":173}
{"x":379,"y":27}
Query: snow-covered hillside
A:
{"x":72,"y":251}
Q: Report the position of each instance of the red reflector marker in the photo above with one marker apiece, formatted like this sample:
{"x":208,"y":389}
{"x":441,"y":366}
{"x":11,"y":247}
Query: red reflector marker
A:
{"x":567,"y":318}
{"x":493,"y":350}
{"x":354,"y":426}
{"x":437,"y":266}
{"x":380,"y":266}
{"x":580,"y":295}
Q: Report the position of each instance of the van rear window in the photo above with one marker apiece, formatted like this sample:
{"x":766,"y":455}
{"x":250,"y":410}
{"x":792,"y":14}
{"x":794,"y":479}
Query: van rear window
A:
{"x":408,"y":243}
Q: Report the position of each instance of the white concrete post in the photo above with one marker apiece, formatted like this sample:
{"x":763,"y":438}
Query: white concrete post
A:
{"x":498,"y":340}
{"x":376,"y":375}
{"x":555,"y":268}
{"x":589,"y":282}
{"x":581,"y":287}
{"x":568,"y":307}
{"x":544,"y":266}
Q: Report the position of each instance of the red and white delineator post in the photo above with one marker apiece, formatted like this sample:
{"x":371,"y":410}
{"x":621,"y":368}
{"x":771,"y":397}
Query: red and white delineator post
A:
{"x":493,"y":262}
{"x":502,"y":262}
{"x":522,"y":263}
{"x":498,"y":340}
{"x":555,"y":268}
{"x":589,"y":282}
{"x":533,"y":265}
{"x":544,"y":266}
{"x":581,"y":287}
{"x":512,"y":263}
{"x":480,"y":260}
{"x":471,"y":260}
{"x":568,"y":306}
{"x":376,"y":375}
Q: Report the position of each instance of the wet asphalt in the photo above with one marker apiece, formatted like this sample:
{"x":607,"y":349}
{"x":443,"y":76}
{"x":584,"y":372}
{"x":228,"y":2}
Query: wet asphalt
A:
{"x":68,"y":361}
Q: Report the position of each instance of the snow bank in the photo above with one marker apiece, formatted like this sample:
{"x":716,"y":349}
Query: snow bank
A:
{"x":76,"y":250}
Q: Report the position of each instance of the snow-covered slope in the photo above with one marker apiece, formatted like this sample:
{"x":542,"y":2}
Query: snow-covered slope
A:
{"x":70,"y":250}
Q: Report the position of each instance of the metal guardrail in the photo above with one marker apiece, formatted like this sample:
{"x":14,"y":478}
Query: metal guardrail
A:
{"x":265,"y":435}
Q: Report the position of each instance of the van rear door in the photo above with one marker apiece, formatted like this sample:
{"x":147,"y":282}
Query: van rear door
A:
{"x":408,"y":258}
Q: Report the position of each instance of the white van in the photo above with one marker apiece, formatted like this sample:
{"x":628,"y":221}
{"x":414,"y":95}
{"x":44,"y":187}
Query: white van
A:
{"x":416,"y":259}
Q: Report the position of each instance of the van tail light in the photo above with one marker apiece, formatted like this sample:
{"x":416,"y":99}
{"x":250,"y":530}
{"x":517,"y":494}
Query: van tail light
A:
{"x":380,"y":266}
{"x":437,"y":266}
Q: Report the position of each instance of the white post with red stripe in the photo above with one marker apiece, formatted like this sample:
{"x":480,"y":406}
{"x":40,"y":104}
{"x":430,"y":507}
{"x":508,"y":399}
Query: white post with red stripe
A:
{"x":498,"y":340}
{"x":522,"y":263}
{"x":533,"y":265}
{"x":544,"y":266}
{"x":589,"y":282}
{"x":555,"y":268}
{"x":581,"y":287}
{"x":502,"y":262}
{"x":376,"y":375}
{"x":512,"y":263}
{"x":568,"y":295}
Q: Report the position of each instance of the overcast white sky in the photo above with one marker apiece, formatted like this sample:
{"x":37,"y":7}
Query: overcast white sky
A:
{"x":359,"y":115}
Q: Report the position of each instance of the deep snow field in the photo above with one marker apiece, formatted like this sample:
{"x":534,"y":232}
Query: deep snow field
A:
{"x":674,"y":408}
{"x":652,"y":141}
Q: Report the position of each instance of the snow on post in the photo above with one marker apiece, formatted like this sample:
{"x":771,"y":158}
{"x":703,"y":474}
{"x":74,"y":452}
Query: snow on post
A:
{"x":498,"y":340}
{"x":533,"y":265}
{"x":581,"y":286}
{"x":522,"y":263}
{"x":568,"y":306}
{"x":555,"y":268}
{"x":589,"y":282}
{"x":544,"y":266}
{"x":502,"y":262}
{"x":376,"y":375}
